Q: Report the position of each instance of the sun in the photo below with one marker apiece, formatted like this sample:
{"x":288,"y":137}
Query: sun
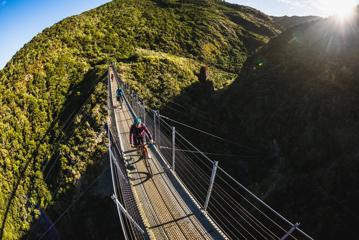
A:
{"x":341,"y":9}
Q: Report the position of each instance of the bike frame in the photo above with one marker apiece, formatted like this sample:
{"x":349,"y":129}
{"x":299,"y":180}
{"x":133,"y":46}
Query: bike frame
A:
{"x":142,"y":148}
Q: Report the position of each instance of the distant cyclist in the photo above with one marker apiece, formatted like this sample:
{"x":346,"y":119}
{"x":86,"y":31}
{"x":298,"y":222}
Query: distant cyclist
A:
{"x":138,"y":133}
{"x":120,"y":95}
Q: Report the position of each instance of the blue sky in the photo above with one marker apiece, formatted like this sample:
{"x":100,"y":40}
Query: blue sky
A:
{"x":21,"y":20}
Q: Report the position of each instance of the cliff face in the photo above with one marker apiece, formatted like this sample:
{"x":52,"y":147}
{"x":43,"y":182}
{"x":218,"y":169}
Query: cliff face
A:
{"x":53,"y":98}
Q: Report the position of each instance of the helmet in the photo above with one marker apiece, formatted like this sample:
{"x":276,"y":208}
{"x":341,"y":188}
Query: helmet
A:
{"x":137,"y":121}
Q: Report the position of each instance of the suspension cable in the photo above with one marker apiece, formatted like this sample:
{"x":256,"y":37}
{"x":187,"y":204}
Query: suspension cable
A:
{"x":207,"y":153}
{"x":209,"y":134}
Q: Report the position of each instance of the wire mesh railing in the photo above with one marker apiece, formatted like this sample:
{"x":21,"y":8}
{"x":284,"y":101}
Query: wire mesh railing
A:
{"x":233,"y":208}
{"x":190,"y":166}
{"x":131,"y":221}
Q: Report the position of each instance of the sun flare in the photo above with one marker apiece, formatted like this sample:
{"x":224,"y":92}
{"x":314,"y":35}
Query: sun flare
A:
{"x":342,"y":9}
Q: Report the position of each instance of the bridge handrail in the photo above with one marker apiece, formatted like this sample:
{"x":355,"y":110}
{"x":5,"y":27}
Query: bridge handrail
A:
{"x":130,"y":218}
{"x":259,"y":207}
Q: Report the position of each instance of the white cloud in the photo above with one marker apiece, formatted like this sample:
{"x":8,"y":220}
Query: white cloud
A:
{"x":298,"y":3}
{"x":323,"y":7}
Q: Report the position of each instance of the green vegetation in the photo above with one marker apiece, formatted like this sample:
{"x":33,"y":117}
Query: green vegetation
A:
{"x":53,"y":94}
{"x":294,"y":101}
{"x":158,"y":77}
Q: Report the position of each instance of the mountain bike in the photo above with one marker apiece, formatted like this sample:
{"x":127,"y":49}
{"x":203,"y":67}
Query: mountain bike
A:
{"x":120,"y":100}
{"x":143,"y":153}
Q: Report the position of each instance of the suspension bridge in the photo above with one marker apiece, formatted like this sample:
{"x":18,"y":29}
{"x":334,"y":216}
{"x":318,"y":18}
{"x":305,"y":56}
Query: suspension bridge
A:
{"x":179,"y":192}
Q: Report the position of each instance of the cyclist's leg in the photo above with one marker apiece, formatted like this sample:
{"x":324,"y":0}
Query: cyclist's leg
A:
{"x":137,"y":146}
{"x":145,"y":152}
{"x":143,"y":147}
{"x":146,"y":156}
{"x":121,"y":101}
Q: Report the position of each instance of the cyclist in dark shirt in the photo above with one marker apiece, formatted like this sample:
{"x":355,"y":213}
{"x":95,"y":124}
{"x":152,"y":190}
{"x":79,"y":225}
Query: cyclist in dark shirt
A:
{"x":138,"y":132}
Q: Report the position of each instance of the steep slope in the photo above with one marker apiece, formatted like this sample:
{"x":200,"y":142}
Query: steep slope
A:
{"x":299,"y":95}
{"x":177,"y":73}
{"x":53,"y":98}
{"x":286,"y":22}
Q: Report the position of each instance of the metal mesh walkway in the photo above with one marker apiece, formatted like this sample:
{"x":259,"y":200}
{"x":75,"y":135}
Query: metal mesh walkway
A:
{"x":167,"y":210}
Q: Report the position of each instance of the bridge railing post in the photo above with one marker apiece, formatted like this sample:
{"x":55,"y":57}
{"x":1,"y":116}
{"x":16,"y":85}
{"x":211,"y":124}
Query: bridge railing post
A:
{"x":173,"y":148}
{"x":154,"y":126}
{"x":144,"y":113}
{"x":158,"y":134}
{"x":137,"y":105}
{"x":128,"y":216}
{"x":133,"y":95}
{"x":290,"y":231}
{"x":209,"y":192}
{"x":134,"y":104}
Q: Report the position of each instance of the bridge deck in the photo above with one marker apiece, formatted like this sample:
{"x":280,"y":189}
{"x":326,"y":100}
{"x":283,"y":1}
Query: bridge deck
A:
{"x":166,"y":208}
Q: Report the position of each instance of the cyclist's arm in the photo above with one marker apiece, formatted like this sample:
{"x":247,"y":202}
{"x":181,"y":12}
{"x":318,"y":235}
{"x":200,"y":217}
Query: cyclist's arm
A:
{"x":147,"y":132}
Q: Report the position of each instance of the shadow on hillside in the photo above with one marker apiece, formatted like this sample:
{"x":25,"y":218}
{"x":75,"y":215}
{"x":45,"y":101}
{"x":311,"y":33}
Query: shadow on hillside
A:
{"x":201,"y":107}
{"x":78,"y":96}
{"x":81,"y":212}
{"x":86,"y":211}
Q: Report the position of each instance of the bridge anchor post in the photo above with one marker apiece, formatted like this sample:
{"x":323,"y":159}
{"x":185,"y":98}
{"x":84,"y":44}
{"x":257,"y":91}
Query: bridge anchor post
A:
{"x":209,"y":192}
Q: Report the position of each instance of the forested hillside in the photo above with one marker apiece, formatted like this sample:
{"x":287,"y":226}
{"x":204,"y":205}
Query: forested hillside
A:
{"x":53,"y":101}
